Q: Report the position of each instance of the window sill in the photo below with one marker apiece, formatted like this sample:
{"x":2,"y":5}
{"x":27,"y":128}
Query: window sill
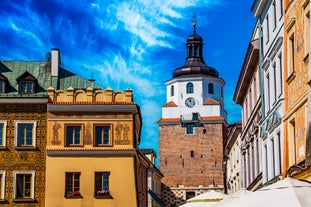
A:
{"x":30,"y":200}
{"x":26,"y":148}
{"x":291,"y":77}
{"x":3,"y":201}
{"x":306,"y":58}
{"x":103,"y":197}
{"x":3,"y":148}
{"x":74,"y":197}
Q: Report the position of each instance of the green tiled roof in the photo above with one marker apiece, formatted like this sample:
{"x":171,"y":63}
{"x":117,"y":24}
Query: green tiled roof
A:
{"x":12,"y":70}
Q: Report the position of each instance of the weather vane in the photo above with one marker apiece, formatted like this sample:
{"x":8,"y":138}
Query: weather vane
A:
{"x":194,"y":22}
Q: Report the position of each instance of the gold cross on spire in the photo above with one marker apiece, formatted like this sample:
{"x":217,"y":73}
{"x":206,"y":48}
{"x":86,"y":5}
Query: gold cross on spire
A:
{"x":194,"y":22}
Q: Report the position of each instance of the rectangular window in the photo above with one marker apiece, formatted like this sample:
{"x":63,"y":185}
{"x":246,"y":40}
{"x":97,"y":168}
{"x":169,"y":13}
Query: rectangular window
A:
{"x":102,"y":135}
{"x":25,"y":133}
{"x":23,"y":184}
{"x":268,"y":96}
{"x":280,"y":74}
{"x":291,"y":55}
{"x":307,"y":30}
{"x":292,"y":142}
{"x":72,"y":184}
{"x":3,"y":133}
{"x":27,"y":87}
{"x":189,"y":128}
{"x":274,"y":91}
{"x":274,"y":14}
{"x":267,"y":27}
{"x":2,"y":184}
{"x":102,"y":183}
{"x":74,"y":135}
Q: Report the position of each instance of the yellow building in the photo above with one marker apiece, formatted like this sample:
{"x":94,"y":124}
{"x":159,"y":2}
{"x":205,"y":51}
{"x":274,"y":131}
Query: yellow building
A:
{"x":91,"y":149}
{"x":296,"y":66}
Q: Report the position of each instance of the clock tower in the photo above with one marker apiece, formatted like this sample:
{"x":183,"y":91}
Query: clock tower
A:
{"x":192,"y":129}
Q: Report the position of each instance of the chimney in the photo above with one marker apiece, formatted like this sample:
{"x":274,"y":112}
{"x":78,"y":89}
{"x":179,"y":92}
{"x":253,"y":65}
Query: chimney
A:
{"x":55,"y":61}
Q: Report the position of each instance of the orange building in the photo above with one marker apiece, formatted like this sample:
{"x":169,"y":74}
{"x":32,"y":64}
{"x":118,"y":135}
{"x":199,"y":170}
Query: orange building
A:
{"x":296,"y":66}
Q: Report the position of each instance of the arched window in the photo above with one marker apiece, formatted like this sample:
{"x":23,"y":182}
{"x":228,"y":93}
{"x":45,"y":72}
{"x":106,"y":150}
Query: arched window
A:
{"x":210,"y":88}
{"x":172,"y":90}
{"x":189,"y":88}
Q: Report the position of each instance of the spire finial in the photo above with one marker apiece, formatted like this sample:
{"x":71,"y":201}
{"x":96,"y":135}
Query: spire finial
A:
{"x":194,"y":22}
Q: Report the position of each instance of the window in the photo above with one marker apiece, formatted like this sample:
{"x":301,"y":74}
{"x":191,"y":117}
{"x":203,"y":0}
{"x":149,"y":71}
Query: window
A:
{"x":189,"y":88}
{"x":189,"y":128}
{"x":26,"y":83}
{"x":102,"y":183}
{"x":2,"y":86}
{"x":267,"y":90}
{"x":102,"y":135}
{"x":2,"y":133}
{"x":280,"y":74}
{"x":274,"y":83}
{"x":72,"y":184}
{"x":2,"y":184}
{"x":73,"y":135}
{"x":25,"y":133}
{"x":274,"y":14}
{"x":23,"y":184}
{"x":210,"y":88}
{"x":191,"y":153}
{"x":267,"y":27}
{"x":307,"y":30}
{"x":172,"y":90}
{"x":291,"y":55}
{"x":26,"y":87}
{"x":292,"y":142}
{"x":190,"y":195}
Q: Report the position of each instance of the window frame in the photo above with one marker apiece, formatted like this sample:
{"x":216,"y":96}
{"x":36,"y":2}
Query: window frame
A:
{"x":73,"y":138}
{"x":190,"y":129}
{"x":189,"y":87}
{"x":32,"y":185}
{"x":2,"y":184}
{"x":34,"y":133}
{"x":104,"y":189}
{"x":3,"y":134}
{"x":109,"y":135}
{"x":72,"y":192}
{"x":172,"y":90}
{"x":27,"y":84}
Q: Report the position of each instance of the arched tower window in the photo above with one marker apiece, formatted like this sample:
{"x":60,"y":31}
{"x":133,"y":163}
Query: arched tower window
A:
{"x":189,"y":88}
{"x":210,"y":88}
{"x":172,"y":90}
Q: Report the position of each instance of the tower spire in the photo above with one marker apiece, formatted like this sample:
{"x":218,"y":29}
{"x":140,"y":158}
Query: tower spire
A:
{"x":194,"y":22}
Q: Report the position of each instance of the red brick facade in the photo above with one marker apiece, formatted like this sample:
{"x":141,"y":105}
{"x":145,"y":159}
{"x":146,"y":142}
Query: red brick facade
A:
{"x":191,"y":162}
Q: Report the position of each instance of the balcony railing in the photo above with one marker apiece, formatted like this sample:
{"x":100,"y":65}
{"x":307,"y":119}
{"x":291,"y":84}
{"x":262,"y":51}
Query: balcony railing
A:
{"x":190,"y":118}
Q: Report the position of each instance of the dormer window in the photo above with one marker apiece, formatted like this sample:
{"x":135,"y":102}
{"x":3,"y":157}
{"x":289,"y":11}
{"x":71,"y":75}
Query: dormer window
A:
{"x":26,"y":83}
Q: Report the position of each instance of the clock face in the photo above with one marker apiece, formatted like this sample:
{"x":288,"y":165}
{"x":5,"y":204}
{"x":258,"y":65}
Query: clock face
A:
{"x":190,"y":102}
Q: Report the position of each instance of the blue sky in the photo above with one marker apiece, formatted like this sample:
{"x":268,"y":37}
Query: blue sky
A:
{"x":133,"y":44}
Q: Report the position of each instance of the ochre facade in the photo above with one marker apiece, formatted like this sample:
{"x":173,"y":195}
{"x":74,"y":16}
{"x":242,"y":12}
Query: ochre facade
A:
{"x":296,"y":66}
